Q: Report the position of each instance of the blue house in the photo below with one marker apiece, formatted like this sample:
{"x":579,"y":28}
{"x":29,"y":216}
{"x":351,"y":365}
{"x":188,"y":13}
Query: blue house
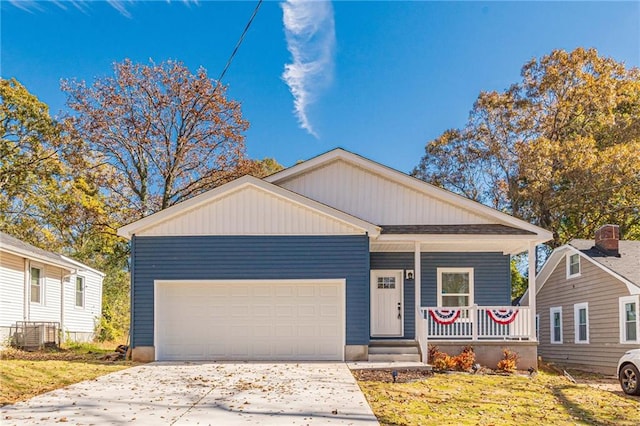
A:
{"x":331,"y":259}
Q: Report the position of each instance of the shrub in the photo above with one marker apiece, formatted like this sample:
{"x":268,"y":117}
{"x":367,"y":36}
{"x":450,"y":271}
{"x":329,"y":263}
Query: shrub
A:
{"x":442,"y":361}
{"x":465,"y":360}
{"x":510,"y":361}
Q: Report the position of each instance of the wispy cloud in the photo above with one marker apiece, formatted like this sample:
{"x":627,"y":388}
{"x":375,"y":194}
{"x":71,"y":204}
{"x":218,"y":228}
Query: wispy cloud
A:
{"x":122,"y":6}
{"x":310,"y":32}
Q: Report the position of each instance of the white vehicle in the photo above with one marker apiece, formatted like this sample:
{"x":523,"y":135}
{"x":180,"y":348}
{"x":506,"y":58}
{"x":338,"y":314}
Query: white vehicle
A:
{"x":629,"y":372}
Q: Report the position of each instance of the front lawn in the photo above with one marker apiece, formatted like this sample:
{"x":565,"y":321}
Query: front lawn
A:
{"x":26,"y":374}
{"x":466,"y":399}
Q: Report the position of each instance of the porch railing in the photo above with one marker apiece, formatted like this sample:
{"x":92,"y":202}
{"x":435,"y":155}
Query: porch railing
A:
{"x":476,"y":323}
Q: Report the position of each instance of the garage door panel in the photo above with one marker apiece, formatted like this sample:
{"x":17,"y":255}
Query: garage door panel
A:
{"x":255,"y":320}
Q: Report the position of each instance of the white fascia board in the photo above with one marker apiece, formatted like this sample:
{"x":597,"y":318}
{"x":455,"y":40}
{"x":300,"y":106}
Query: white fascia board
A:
{"x":128,"y":230}
{"x":559,"y":253}
{"x":83,"y":266}
{"x":41,"y":259}
{"x":419,"y":185}
{"x":455,"y":237}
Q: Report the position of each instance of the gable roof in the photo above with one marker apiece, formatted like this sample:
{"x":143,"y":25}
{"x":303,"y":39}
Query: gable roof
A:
{"x":538,"y":234}
{"x":244,"y":183}
{"x":626,"y":265}
{"x":18,"y":247}
{"x":625,"y":268}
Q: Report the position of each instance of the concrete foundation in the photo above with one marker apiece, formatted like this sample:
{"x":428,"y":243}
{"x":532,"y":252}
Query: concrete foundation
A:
{"x":143,"y":354}
{"x":356,"y":352}
{"x":489,"y":353}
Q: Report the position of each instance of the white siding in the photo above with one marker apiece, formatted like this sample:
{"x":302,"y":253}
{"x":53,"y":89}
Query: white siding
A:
{"x":251,"y":211}
{"x":11,"y":289}
{"x":49,"y":307}
{"x":82,"y":319}
{"x":375,"y":198}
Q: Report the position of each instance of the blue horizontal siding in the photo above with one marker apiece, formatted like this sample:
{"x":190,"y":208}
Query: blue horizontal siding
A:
{"x":492,"y":276}
{"x":251,"y":257}
{"x":380,"y":260}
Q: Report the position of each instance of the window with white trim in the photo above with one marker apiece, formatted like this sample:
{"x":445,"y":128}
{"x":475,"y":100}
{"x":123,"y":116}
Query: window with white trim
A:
{"x":538,"y":327}
{"x":80,"y":292}
{"x":556,"y":324}
{"x":36,"y":278}
{"x":573,"y":265}
{"x":629,"y":320}
{"x":455,"y":286}
{"x":581,"y":321}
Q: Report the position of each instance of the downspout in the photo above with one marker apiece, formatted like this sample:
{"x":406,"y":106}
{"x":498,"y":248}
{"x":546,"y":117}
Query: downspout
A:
{"x":532,"y":290}
{"x":27,"y":292}
{"x":132,"y":340}
{"x":61,"y":304}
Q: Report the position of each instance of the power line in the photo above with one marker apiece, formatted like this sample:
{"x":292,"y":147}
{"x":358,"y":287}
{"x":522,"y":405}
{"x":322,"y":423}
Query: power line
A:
{"x":235,"y":50}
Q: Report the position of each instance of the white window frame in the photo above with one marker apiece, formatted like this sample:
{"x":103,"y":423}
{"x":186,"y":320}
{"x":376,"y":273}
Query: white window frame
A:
{"x":576,"y":321}
{"x":551,"y":335}
{"x":577,"y":274}
{"x":538,"y":327}
{"x":84,"y":291}
{"x":623,"y":301}
{"x":469,"y":271}
{"x":41,"y":282}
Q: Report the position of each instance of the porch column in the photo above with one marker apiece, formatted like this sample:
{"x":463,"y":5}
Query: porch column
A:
{"x":421,"y":332}
{"x":532,"y":289}
{"x":417,"y":272}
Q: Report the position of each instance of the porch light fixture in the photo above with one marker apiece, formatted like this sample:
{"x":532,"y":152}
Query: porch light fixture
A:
{"x":408,"y":274}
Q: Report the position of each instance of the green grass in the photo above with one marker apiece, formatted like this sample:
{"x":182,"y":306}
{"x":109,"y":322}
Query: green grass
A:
{"x":24,"y":375}
{"x":463,"y":399}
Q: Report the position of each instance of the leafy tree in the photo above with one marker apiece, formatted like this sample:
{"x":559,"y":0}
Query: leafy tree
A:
{"x":519,"y":281}
{"x":265,"y":167}
{"x":168,"y":134}
{"x":29,"y":161}
{"x":560,"y":148}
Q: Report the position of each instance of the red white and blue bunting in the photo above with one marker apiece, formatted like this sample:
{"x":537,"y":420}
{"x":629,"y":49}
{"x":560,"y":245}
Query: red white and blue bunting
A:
{"x":502,"y":316}
{"x":444,"y":316}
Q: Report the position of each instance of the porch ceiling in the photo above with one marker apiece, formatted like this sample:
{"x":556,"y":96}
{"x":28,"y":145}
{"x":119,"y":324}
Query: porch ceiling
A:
{"x":469,"y":244}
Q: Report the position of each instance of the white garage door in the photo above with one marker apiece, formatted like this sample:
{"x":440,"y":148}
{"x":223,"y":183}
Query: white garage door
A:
{"x":250,"y":320}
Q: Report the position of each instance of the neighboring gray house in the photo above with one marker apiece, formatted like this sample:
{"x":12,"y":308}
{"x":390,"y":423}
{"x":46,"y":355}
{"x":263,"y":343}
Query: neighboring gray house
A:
{"x":40,"y":286}
{"x":588,"y":302}
{"x":335,"y":258}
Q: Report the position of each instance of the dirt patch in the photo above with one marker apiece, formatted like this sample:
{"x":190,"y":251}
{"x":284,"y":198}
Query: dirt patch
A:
{"x":49,"y":355}
{"x":386,"y":375}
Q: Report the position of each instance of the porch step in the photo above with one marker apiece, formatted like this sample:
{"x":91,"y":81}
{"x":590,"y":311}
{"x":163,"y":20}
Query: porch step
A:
{"x":394,"y":351}
{"x":377,"y":350}
{"x":394,"y":357}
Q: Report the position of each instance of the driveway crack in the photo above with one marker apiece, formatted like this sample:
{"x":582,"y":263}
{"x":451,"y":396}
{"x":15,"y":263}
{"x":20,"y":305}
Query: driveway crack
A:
{"x":193,"y":405}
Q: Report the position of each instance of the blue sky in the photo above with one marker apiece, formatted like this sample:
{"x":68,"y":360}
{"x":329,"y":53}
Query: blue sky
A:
{"x":387,"y":76}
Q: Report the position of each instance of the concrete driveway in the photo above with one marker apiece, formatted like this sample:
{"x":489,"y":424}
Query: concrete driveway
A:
{"x":205,"y":394}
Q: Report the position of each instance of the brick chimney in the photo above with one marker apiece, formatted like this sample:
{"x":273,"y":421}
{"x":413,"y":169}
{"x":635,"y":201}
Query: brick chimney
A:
{"x":607,"y":237}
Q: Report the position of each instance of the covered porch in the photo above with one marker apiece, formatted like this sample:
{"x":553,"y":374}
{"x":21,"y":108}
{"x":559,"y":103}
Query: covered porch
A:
{"x":456,"y":306}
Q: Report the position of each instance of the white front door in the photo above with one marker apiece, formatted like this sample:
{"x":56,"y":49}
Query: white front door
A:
{"x":387,"y":310}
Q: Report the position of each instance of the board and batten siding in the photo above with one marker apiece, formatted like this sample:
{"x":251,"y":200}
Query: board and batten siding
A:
{"x":11,"y":289}
{"x":251,"y":211}
{"x":375,"y":198}
{"x":246,"y":258}
{"x":492,"y":276}
{"x":400,"y":261}
{"x":601,"y":291}
{"x":82,"y":319}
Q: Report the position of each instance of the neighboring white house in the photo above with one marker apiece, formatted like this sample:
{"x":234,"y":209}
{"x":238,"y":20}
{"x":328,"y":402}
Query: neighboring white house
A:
{"x":40,"y":286}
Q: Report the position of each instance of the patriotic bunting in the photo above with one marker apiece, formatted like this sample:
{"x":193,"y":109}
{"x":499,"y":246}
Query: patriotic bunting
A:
{"x":444,"y":316}
{"x":502,"y":316}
